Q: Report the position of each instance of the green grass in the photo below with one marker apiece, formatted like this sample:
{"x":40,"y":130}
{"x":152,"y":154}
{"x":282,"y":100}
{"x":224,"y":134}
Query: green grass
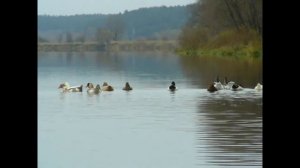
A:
{"x":223,"y":52}
{"x":230,"y":43}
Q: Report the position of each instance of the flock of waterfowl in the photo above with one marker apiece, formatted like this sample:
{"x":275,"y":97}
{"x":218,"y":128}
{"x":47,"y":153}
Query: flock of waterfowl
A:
{"x":215,"y":86}
{"x":229,"y":85}
{"x":90,"y":87}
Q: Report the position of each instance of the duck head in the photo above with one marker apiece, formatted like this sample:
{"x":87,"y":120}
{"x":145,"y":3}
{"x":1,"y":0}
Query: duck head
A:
{"x":64,"y":85}
{"x":98,"y":87}
{"x":172,"y":87}
{"x":235,"y":86}
{"x":258,"y":86}
{"x":105,"y":84}
{"x":127,"y":87}
{"x":90,"y":85}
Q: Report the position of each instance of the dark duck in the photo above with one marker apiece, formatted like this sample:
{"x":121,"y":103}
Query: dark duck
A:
{"x":172,"y":87}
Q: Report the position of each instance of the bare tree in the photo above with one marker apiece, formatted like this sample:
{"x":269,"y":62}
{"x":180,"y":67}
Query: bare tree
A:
{"x":219,"y":19}
{"x":245,"y":13}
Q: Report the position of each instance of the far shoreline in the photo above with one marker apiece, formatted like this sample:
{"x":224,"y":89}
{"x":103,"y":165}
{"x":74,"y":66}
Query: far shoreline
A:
{"x":167,"y":46}
{"x":137,"y":45}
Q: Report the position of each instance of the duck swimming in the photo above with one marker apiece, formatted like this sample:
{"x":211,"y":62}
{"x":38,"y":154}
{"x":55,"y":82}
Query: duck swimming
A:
{"x":172,"y":87}
{"x":89,"y":85}
{"x":67,"y":88}
{"x":95,"y":90}
{"x":258,"y":87}
{"x":236,"y":87}
{"x":127,"y":87}
{"x":228,"y":85}
{"x":218,"y":84}
{"x":106,"y":87}
{"x":212,"y":88}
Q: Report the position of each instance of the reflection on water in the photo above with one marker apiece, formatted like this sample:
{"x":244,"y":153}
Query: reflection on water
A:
{"x":230,"y":125}
{"x":247,"y":72}
{"x":149,"y":126}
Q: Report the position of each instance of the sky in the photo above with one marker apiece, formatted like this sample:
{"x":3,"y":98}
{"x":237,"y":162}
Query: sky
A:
{"x":71,"y":7}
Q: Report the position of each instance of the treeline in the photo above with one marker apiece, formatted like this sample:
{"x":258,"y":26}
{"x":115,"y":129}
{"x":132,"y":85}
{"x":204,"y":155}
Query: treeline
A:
{"x":144,"y":23}
{"x":223,"y":27}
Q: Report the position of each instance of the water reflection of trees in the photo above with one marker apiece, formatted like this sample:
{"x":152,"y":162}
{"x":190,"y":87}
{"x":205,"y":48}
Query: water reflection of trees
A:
{"x":232,"y":131}
{"x":108,"y":59}
{"x":203,"y":70}
{"x":100,"y":59}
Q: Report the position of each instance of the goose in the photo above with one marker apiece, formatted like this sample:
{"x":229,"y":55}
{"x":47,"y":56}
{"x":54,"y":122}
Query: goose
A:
{"x":95,"y":90}
{"x":258,"y":87}
{"x":127,"y":87}
{"x":172,"y":87}
{"x":212,"y":88}
{"x":67,"y":88}
{"x":106,"y":87}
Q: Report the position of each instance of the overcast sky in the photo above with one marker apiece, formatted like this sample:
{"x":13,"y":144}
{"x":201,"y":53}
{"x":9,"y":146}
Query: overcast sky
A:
{"x":71,"y":7}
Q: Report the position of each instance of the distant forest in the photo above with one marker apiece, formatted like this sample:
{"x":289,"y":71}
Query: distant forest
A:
{"x":144,"y":23}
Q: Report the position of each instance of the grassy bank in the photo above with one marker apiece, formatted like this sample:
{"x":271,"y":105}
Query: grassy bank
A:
{"x":230,"y":43}
{"x":240,"y":51}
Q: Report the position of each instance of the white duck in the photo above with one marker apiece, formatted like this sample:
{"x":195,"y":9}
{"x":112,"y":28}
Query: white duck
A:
{"x":228,"y":85}
{"x":67,"y":88}
{"x":218,"y":85}
{"x":258,"y":87}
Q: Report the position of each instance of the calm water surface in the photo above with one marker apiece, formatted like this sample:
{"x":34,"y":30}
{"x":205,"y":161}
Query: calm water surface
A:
{"x":148,"y":127}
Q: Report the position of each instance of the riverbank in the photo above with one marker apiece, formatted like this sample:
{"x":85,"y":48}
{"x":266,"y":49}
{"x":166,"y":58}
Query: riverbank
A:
{"x":243,"y":43}
{"x":114,"y":46}
{"x":235,"y":52}
{"x":88,"y":46}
